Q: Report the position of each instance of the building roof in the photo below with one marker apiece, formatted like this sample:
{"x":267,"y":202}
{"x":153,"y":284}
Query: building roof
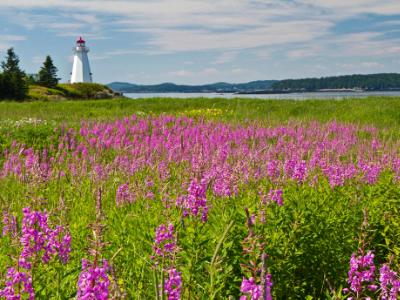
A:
{"x":80,"y":40}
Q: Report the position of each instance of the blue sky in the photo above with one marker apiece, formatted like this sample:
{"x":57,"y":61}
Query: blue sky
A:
{"x":204,"y":41}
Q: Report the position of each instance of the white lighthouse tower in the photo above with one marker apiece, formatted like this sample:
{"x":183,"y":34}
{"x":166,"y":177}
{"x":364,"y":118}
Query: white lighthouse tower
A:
{"x":81,"y":69}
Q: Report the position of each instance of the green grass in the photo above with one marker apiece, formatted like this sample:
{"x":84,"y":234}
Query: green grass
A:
{"x":69,"y":91}
{"x":377,"y":111}
{"x":309,"y":240}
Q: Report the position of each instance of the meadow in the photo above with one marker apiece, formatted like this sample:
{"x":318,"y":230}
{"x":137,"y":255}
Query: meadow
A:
{"x":200,"y":199}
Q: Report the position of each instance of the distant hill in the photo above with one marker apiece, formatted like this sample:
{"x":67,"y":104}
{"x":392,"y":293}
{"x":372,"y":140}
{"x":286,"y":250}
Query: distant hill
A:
{"x":219,"y":87}
{"x":371,"y":82}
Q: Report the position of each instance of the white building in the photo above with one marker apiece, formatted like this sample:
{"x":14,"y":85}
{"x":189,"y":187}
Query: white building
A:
{"x":80,"y":68}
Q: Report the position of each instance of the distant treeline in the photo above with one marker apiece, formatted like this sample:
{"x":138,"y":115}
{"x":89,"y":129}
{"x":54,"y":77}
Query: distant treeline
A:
{"x":373,"y":82}
{"x":219,"y":87}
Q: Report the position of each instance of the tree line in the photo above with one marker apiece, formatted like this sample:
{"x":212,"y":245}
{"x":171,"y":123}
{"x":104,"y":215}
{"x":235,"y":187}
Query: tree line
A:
{"x":372,"y":82}
{"x":14,"y":82}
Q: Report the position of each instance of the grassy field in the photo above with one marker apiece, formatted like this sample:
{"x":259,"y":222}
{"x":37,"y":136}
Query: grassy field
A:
{"x":252,"y":187}
{"x":64,"y":91}
{"x":33,"y":122}
{"x":377,"y":111}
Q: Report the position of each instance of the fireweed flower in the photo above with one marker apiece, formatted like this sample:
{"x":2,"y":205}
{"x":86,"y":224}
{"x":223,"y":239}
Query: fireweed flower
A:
{"x":59,"y":242}
{"x":370,"y":172}
{"x":209,"y":148}
{"x":18,"y":285}
{"x":124,"y":195}
{"x":34,"y":231}
{"x":361,"y":275}
{"x":164,"y":242}
{"x":9,"y":225}
{"x":390,"y":283}
{"x":150,"y":195}
{"x":289,"y":167}
{"x":268,"y":286}
{"x":276,"y":196}
{"x":254,"y":290}
{"x":38,"y":239}
{"x":251,"y":288}
{"x":396,"y":168}
{"x":93,"y":283}
{"x":273,"y":169}
{"x":300,"y":171}
{"x":195,"y":202}
{"x":335,"y":175}
{"x":173,"y":285}
{"x":223,"y":181}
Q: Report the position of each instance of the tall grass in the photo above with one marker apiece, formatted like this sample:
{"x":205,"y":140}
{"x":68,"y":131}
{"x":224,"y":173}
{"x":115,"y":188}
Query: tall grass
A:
{"x":377,"y":111}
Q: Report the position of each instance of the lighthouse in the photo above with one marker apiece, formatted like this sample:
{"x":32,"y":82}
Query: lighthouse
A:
{"x":80,"y":68}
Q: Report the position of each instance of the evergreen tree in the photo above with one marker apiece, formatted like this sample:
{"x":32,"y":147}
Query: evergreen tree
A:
{"x":48,"y":73}
{"x":2,"y":92}
{"x":31,"y":79}
{"x":14,"y":79}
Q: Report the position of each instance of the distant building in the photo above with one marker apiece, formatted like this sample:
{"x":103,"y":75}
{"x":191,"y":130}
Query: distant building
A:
{"x":81,"y":68}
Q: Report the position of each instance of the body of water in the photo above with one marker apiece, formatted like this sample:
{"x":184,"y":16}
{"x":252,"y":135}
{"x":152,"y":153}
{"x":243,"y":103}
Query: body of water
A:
{"x":294,"y":96}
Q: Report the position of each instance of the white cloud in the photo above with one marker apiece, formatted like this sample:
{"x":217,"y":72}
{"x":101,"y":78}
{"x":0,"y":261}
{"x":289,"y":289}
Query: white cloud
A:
{"x":225,"y":57}
{"x":61,"y":24}
{"x":99,"y":57}
{"x":262,"y":53}
{"x":358,"y":67}
{"x":180,"y":73}
{"x":7,"y":41}
{"x":344,"y":9}
{"x":38,"y":59}
{"x":204,"y":73}
{"x":238,"y":71}
{"x":140,"y":77}
{"x":64,"y":26}
{"x":370,"y":44}
{"x":389,"y":23}
{"x":321,"y":67}
{"x":118,"y":52}
{"x":191,"y":25}
{"x":85,"y":18}
{"x":372,"y":65}
{"x":177,"y":40}
{"x":209,"y":71}
{"x":347,"y":66}
{"x":114,"y":53}
{"x":304,"y":52}
{"x":12,"y":38}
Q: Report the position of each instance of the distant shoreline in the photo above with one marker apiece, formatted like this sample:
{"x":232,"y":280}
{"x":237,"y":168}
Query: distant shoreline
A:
{"x":317,"y":91}
{"x":267,"y":92}
{"x":290,"y":96}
